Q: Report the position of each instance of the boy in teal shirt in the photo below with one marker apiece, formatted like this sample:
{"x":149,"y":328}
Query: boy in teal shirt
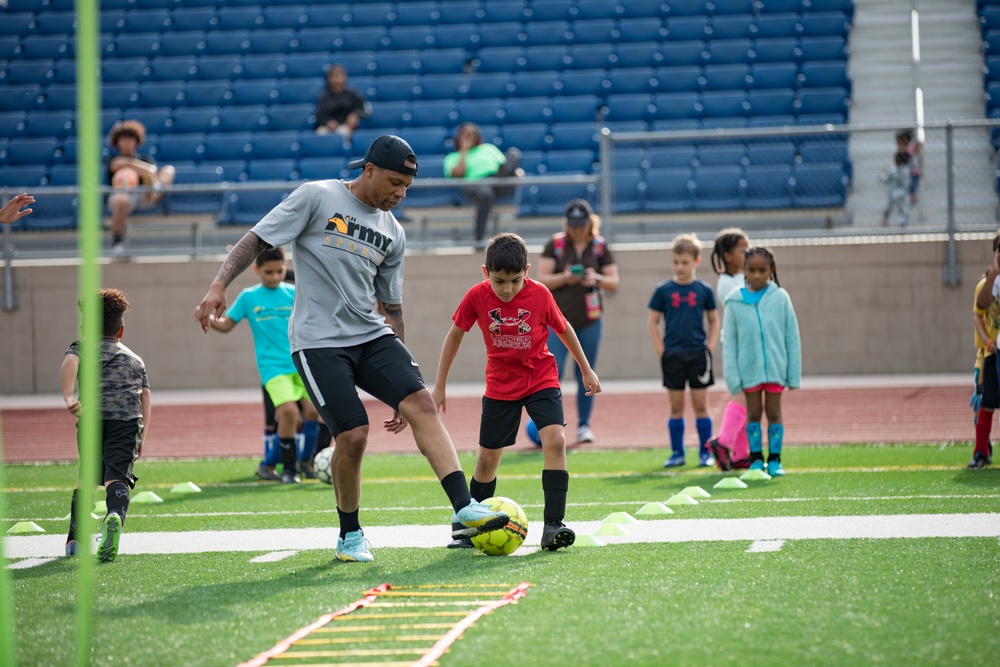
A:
{"x":267,"y":307}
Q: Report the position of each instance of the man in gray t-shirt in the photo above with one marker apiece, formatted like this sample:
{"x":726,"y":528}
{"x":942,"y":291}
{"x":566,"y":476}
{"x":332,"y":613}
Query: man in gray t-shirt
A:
{"x":346,"y":329}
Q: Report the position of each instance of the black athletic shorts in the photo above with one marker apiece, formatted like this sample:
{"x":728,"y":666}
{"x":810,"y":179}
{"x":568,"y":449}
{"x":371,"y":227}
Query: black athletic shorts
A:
{"x":991,"y":386}
{"x":382,"y":367}
{"x":119,"y":449}
{"x":687,"y":368}
{"x":501,"y":419}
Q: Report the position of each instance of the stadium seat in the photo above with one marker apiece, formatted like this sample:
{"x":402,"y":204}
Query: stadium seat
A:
{"x":774,"y":102}
{"x":549,"y":57}
{"x":17,"y":23}
{"x":370,"y":13}
{"x":623,"y":108}
{"x":570,"y":161}
{"x":423,"y":140}
{"x":528,"y":110}
{"x":779,"y":6}
{"x":686,"y":8}
{"x":672,"y":156}
{"x":196,"y":119}
{"x":536,"y":84}
{"x":825,"y":74}
{"x":632,"y":80}
{"x":299,"y":117}
{"x":239,"y":18}
{"x":227,"y":42}
{"x":682,"y":79}
{"x":196,"y":202}
{"x":25,"y":176}
{"x":718,"y":188}
{"x":410,"y":37}
{"x":777,"y":50}
{"x":32,"y":150}
{"x":209,"y":68}
{"x":737,"y":26}
{"x":597,"y":56}
{"x":57,"y":124}
{"x":25,"y":98}
{"x":724,"y":104}
{"x":265,"y":66}
{"x":676,"y":106}
{"x":278,"y":41}
{"x":768,"y":186}
{"x":299,"y":91}
{"x":728,"y":77}
{"x":249,"y":118}
{"x":723,"y":7}
{"x":526,"y":136}
{"x":138,"y":45}
{"x":549,"y":10}
{"x":55,"y":23}
{"x":324,"y":145}
{"x":147,"y":20}
{"x":822,"y":101}
{"x":629,"y":157}
{"x":272,"y":170}
{"x":638,"y":54}
{"x":307,"y":65}
{"x":778,"y":152}
{"x":602,"y":9}
{"x":823,"y":150}
{"x":443,"y":61}
{"x":119,"y":95}
{"x":315,"y":38}
{"x":683,"y":28}
{"x":184,"y":43}
{"x":247,"y":207}
{"x":12,"y":124}
{"x":504,"y":11}
{"x":263,"y":91}
{"x":465,"y":36}
{"x":587,"y":82}
{"x":442,"y":86}
{"x":193,"y":18}
{"x":277,"y":145}
{"x":321,"y":168}
{"x":729,"y":51}
{"x":603,"y":32}
{"x":574,"y":108}
{"x":669,"y":189}
{"x":641,"y":30}
{"x":550,"y":199}
{"x":823,"y":48}
{"x":825,"y":24}
{"x":417,"y":13}
{"x":323,"y":15}
{"x":64,"y":71}
{"x":489,"y":85}
{"x":9,"y":45}
{"x":721,"y":155}
{"x":290,"y":16}
{"x":819,"y":184}
{"x":124,"y":69}
{"x":159,"y":94}
{"x":180,"y":147}
{"x":573,"y":136}
{"x":502,"y":34}
{"x":396,"y":114}
{"x":546,"y":33}
{"x":399,"y":87}
{"x":684,"y":53}
{"x":774,"y":75}
{"x":778,"y":25}
{"x":502,"y":59}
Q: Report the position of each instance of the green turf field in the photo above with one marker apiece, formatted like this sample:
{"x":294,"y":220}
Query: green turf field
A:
{"x":836,"y":601}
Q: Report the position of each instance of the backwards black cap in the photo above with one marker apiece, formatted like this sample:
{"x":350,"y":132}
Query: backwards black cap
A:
{"x":389,"y":152}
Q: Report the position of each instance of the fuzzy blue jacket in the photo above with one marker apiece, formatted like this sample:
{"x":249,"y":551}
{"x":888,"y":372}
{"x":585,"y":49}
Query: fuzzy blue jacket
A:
{"x":762,"y":341}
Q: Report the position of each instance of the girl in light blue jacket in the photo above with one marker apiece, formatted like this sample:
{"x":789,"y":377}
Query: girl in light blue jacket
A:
{"x":762,"y":356}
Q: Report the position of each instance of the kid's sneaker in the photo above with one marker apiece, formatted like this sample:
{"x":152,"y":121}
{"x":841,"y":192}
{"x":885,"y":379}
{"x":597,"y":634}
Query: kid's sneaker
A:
{"x":556,"y":535}
{"x":705,"y":459}
{"x":676,"y":460}
{"x":477,"y":518}
{"x":757,"y":465}
{"x":267,"y":474}
{"x":290,"y":477}
{"x":110,"y":534}
{"x":978,"y":462}
{"x":307,"y":469}
{"x":354,"y":548}
{"x":723,"y":457}
{"x":774,"y":469}
{"x":584,"y":435}
{"x":72,"y":547}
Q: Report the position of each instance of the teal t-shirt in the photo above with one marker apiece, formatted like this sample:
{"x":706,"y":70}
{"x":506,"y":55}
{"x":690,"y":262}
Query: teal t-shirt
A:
{"x":481,"y":161}
{"x":267,"y":310}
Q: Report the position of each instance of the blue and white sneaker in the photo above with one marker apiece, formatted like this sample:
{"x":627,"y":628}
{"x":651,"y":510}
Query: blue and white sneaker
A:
{"x":110,"y":533}
{"x":354,"y":548}
{"x":774,"y":469}
{"x":675,"y":461}
{"x":476,"y":519}
{"x":705,"y":459}
{"x":757,"y":465}
{"x":72,"y":547}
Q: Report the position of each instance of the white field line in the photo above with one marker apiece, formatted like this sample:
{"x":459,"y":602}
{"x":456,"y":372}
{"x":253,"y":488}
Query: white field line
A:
{"x":18,"y":547}
{"x":765,"y":546}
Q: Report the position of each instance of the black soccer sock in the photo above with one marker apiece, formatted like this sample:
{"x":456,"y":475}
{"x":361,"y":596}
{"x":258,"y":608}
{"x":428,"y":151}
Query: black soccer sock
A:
{"x":482,"y":490}
{"x":555,"y":484}
{"x":118,"y":499}
{"x":323,"y":439}
{"x":289,"y":454}
{"x":116,"y":239}
{"x":349,"y":522}
{"x":72,"y":517}
{"x":457,"y":489}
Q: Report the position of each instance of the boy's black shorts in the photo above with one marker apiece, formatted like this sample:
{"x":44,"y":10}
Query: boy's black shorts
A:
{"x":991,"y":385}
{"x":119,"y":449}
{"x":687,"y":368}
{"x":382,"y":367}
{"x":501,"y":419}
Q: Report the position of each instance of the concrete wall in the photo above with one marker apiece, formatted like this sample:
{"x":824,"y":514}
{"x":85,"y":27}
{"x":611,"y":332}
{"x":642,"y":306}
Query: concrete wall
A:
{"x":862,"y":308}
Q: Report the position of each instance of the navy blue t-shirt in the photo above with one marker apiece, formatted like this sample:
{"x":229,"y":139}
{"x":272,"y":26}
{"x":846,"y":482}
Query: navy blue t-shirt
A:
{"x":683,"y":308}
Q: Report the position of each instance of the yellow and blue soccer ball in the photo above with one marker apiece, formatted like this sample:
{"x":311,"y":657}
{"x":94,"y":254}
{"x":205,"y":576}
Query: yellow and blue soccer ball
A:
{"x":506,"y":540}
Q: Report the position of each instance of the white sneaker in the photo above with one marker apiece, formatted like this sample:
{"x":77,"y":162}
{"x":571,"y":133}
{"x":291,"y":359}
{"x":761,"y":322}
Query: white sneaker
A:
{"x":584,"y":434}
{"x":118,"y":251}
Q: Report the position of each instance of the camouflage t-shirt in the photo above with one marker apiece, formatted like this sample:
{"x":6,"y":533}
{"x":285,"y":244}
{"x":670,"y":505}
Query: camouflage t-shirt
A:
{"x":123,"y":377}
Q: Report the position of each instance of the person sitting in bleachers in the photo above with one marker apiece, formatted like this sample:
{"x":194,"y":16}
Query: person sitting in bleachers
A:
{"x":128,"y":170}
{"x":476,"y":160}
{"x":340,"y":108}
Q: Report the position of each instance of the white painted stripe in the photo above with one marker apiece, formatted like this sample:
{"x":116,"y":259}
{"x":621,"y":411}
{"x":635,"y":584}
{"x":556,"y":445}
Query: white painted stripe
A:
{"x":666,"y":530}
{"x":764,"y":546}
{"x":311,"y":380}
{"x":28,"y":562}
{"x":273,"y":557}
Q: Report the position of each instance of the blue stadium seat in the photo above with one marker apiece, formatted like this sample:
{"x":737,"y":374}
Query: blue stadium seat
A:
{"x":290,"y":16}
{"x":112,"y":21}
{"x":729,"y":51}
{"x":442,"y":86}
{"x":777,"y":152}
{"x":124,"y":69}
{"x":686,"y":8}
{"x":669,"y":189}
{"x":193,"y":18}
{"x":774,"y":102}
{"x":158,"y":94}
{"x":249,"y":118}
{"x":291,"y":117}
{"x":57,"y":124}
{"x":627,"y":107}
{"x":409,"y":37}
{"x":825,"y":24}
{"x":247,"y":207}
{"x":683,"y":28}
{"x":600,"y":31}
{"x":723,"y":7}
{"x":392,"y":87}
{"x":63,"y":174}
{"x":307,"y":65}
{"x":823,"y":48}
{"x":641,"y":30}
{"x":597,"y":56}
{"x":465,"y":36}
{"x":821,"y":184}
{"x":528,"y":110}
{"x":396,"y":114}
{"x":262,"y":91}
{"x":196,"y":119}
{"x":209,"y":68}
{"x":501,"y":59}
{"x":36,"y":47}
{"x":847,"y":6}
{"x":737,"y":26}
{"x":547,"y":57}
{"x":779,"y":6}
{"x":502,"y":34}
{"x":526,"y":136}
{"x":119,"y":95}
{"x":417,"y":13}
{"x":227,"y":42}
{"x":718,"y":188}
{"x":989,"y":19}
{"x":602,"y":9}
{"x":265,"y":66}
{"x":55,"y":23}
{"x":323,"y":15}
{"x":639,"y":54}
{"x":196,"y":202}
{"x":504,"y":11}
{"x":550,"y":200}
{"x":536,"y":84}
{"x":324,"y":145}
{"x":991,"y":43}
{"x":180,"y":147}
{"x":682,"y":79}
{"x":321,"y":168}
{"x":272,"y":170}
{"x":823,"y":150}
{"x":12,"y":124}
{"x":370,"y":13}
{"x":574,"y":108}
{"x":32,"y":150}
{"x":137,"y":45}
{"x":684,"y":53}
{"x":672,"y":156}
{"x":721,"y":155}
{"x":549,"y":10}
{"x":547,"y":32}
{"x":53,"y":212}
{"x":109,"y":117}
{"x":240,"y":18}
{"x":57,"y":96}
{"x":724,"y":104}
{"x":778,"y":25}
{"x":357,"y":63}
{"x":777,"y":50}
{"x":397,"y":62}
{"x":8,"y":46}
{"x":183,"y":43}
{"x":70,"y":149}
{"x":147,"y":20}
{"x":16,"y":23}
{"x":3,"y":150}
{"x":443,"y":61}
{"x":576,"y":161}
{"x":825,"y":74}
{"x":281,"y":40}
{"x":423,"y":140}
{"x":228,"y":146}
{"x":632,"y":80}
{"x":25,"y":176}
{"x":298,"y":91}
{"x":727,"y":77}
{"x":774,"y":75}
{"x":424,"y":113}
{"x":315,"y":38}
{"x":768,"y":186}
{"x":533,"y":162}
{"x":21,"y":72}
{"x":277,"y":145}
{"x":365,"y":38}
{"x":64,"y":71}
{"x":676,"y":106}
{"x":822,"y":101}
{"x":573,"y":136}
{"x":630,"y":157}
{"x":586,"y":82}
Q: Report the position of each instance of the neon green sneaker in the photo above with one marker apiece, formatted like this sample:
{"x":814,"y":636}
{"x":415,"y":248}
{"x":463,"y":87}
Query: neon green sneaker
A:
{"x":354,"y":548}
{"x":476,"y":519}
{"x":110,"y":533}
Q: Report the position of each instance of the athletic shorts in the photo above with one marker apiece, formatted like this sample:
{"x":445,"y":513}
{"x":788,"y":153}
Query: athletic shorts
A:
{"x":767,"y":387}
{"x":119,"y":449}
{"x":682,"y":369}
{"x":991,"y":386}
{"x":382,"y":367}
{"x":270,"y":421}
{"x":287,"y":388}
{"x":501,"y":419}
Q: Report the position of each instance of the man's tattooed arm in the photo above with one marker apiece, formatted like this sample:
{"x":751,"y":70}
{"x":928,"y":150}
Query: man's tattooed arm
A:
{"x":240,"y":257}
{"x":393,"y":313}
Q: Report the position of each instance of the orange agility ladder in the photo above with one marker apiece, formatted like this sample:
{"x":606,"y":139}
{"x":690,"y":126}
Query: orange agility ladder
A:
{"x":391,"y":622}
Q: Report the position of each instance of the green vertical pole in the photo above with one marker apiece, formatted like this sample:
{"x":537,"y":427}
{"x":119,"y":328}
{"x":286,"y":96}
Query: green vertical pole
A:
{"x":6,"y":596}
{"x":88,"y":129}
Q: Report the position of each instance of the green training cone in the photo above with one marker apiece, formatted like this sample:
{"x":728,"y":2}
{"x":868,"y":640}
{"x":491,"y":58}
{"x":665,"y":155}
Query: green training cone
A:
{"x":755,"y":476}
{"x":680,"y":499}
{"x":620,"y":517}
{"x":588,"y":541}
{"x":185,"y":487}
{"x":696,"y":492}
{"x":610,"y":529}
{"x":22,"y":527}
{"x":146,"y":497}
{"x":100,"y":507}
{"x":654,"y":509}
{"x":730,"y":483}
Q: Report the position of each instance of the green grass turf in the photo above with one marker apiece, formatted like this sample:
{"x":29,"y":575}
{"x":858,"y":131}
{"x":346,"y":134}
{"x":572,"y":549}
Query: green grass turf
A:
{"x":817,"y":602}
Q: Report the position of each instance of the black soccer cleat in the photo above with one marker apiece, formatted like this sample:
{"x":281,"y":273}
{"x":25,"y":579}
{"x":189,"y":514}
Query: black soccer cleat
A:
{"x":556,"y":535}
{"x":979,"y":461}
{"x":723,"y":457}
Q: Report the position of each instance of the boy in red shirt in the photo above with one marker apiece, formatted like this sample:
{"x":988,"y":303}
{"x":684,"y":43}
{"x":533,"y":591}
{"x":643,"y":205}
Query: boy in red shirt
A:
{"x":515,"y":313}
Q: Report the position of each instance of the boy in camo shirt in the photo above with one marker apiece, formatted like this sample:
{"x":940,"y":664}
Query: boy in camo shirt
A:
{"x":125,"y":408}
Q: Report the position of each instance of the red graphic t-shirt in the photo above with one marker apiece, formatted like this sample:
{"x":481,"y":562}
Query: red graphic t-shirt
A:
{"x":518,"y":361}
